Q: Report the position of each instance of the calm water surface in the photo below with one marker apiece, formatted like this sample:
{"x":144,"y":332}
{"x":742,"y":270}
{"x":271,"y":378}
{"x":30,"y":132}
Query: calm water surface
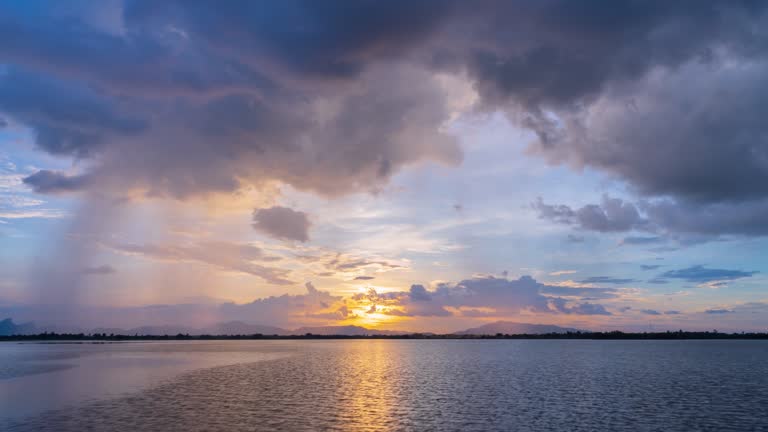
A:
{"x":360,"y":385}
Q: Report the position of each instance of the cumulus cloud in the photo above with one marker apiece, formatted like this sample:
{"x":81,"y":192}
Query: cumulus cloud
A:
{"x":488,"y":296}
{"x":561,"y":306}
{"x":336,"y":99}
{"x":282,"y":223}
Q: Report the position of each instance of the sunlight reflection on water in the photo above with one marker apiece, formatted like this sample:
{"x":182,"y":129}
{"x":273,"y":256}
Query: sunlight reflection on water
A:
{"x":425,"y":385}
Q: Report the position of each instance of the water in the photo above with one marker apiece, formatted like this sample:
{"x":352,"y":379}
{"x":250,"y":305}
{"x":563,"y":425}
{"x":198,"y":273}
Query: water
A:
{"x":361,"y":385}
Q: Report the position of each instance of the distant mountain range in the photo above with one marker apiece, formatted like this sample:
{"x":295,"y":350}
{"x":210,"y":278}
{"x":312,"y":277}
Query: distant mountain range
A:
{"x":509,"y":327}
{"x":8,"y":327}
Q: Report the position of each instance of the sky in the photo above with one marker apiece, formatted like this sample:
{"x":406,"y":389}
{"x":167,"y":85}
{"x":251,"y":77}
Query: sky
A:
{"x":419,"y":166}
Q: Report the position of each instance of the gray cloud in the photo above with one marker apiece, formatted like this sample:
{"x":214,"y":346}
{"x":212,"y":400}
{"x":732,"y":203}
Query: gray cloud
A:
{"x":53,"y":182}
{"x":684,"y":221}
{"x":364,"y":278}
{"x":315,"y":96}
{"x":650,"y":312}
{"x":578,"y":309}
{"x":702,"y":274}
{"x":650,"y":266}
{"x":282,"y":223}
{"x":476,"y":296}
{"x":641,"y":240}
{"x":612,"y":215}
{"x":582,"y":292}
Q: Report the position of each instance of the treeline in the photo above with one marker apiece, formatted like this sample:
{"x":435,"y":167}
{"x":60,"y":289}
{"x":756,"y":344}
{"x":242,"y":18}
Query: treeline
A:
{"x":613,"y":335}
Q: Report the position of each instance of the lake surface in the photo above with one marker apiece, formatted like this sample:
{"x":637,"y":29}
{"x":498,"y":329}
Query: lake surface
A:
{"x":360,"y":385}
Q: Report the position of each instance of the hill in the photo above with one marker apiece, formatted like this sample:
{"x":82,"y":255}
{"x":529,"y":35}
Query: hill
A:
{"x":509,"y":327}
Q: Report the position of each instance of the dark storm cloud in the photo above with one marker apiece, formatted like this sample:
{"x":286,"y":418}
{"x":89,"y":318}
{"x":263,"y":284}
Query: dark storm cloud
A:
{"x":282,"y":223}
{"x":52,"y":182}
{"x":334,"y":97}
{"x":328,"y":40}
{"x":702,"y":274}
{"x":68,"y":118}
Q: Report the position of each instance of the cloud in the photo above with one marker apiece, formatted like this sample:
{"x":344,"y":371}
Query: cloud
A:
{"x":284,"y":309}
{"x":613,"y":215}
{"x":606,"y":280}
{"x":282,"y":223}
{"x":53,"y":182}
{"x":702,"y":274}
{"x":226,"y":256}
{"x":650,"y":312}
{"x":350,"y":263}
{"x":99,"y":270}
{"x":578,"y":309}
{"x":487,"y":296}
{"x":313,"y":306}
{"x":641,"y":240}
{"x":586,"y":293}
{"x":718,"y":311}
{"x":68,"y":118}
{"x":563,"y":272}
{"x":684,"y":221}
{"x":337,"y":99}
{"x":650,"y":266}
{"x":364,"y":278}
{"x":658,"y":281}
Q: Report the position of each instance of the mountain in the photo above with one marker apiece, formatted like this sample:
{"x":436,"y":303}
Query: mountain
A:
{"x":225,"y":328}
{"x":509,"y":327}
{"x":8,"y":328}
{"x":241,"y":328}
{"x":349,"y":330}
{"x":147,"y":330}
